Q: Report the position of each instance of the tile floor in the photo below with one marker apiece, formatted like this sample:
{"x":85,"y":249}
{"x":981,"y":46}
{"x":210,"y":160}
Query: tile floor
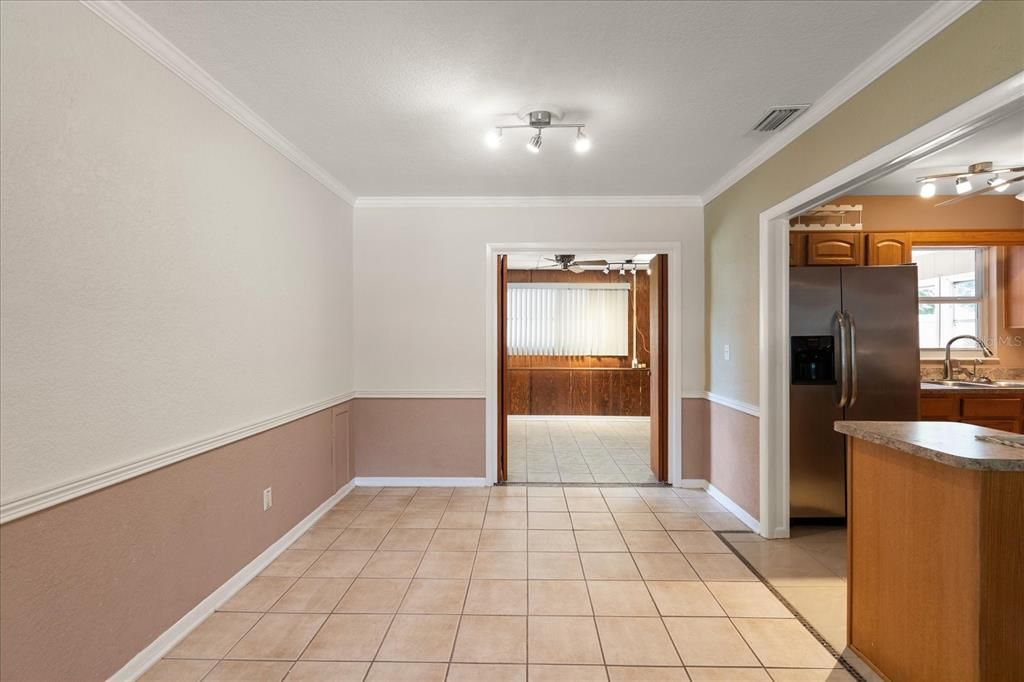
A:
{"x":592,"y":451}
{"x":506,"y":583}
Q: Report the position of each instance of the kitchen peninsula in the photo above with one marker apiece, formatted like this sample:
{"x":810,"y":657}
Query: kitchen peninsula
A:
{"x":936,"y":551}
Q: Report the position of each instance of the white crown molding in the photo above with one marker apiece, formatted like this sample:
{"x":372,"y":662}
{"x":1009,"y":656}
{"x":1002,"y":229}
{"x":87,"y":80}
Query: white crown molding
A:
{"x":739,"y":405}
{"x":737,"y":511}
{"x":419,"y":482}
{"x":164,"y":51}
{"x":654,"y":201}
{"x":418,"y":393}
{"x":931,"y":22}
{"x":152,"y":654}
{"x":33,"y":502}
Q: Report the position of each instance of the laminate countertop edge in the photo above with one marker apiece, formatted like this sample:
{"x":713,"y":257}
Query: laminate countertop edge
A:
{"x":949,"y":443}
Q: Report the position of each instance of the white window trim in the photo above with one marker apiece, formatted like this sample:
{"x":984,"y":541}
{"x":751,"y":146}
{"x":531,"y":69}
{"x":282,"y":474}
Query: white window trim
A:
{"x":988,"y":326}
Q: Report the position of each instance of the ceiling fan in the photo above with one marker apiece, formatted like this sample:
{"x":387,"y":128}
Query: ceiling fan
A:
{"x":568,"y":262}
{"x":962,"y":183}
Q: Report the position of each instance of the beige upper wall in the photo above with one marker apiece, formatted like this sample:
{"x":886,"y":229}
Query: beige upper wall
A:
{"x":981,"y":49}
{"x":166,"y":275}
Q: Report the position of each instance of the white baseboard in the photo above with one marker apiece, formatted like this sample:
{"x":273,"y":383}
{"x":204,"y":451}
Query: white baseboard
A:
{"x":736,"y":510}
{"x":152,"y":654}
{"x":572,"y":418}
{"x":414,"y":482}
{"x":697,"y":483}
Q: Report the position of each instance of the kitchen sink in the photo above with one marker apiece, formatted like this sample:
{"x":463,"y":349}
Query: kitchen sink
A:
{"x":1008,"y":384}
{"x":976,"y":384}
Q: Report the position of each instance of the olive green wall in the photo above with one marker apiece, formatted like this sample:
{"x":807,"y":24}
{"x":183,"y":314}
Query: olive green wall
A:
{"x":982,"y":48}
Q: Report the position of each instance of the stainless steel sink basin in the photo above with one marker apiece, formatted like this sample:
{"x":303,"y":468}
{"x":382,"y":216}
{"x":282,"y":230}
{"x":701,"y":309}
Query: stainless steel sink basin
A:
{"x":1008,"y":384}
{"x":961,"y":384}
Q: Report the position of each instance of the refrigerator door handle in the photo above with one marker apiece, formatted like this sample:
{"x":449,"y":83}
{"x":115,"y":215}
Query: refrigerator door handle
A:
{"x":844,"y":369}
{"x":853,"y":359}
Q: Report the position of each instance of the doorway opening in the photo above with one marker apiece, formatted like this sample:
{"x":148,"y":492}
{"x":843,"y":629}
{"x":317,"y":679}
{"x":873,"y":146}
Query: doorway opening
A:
{"x":582,"y":368}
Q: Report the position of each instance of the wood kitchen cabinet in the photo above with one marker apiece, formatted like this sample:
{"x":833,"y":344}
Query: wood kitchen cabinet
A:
{"x":1014,"y":286}
{"x":888,"y":248}
{"x":835,"y":248}
{"x":1003,"y":413}
{"x":797,"y":249}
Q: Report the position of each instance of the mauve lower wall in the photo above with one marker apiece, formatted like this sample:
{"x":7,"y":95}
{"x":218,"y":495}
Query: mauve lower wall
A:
{"x":87,"y":584}
{"x":696,"y":439}
{"x":419,"y":437}
{"x":734,"y":459}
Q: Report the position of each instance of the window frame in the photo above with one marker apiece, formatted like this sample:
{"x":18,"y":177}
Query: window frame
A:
{"x":985,"y":287}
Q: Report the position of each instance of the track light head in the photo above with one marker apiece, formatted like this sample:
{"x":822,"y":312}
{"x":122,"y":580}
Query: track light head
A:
{"x":534,"y":144}
{"x":606,"y":270}
{"x":963,"y":185}
{"x":999,"y":184}
{"x":493,"y":138}
{"x":582,"y":141}
{"x":622,"y":272}
{"x":927,"y":189}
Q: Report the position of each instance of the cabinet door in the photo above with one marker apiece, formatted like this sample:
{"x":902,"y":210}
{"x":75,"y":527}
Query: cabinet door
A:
{"x":888,"y":248}
{"x":1015,"y":287}
{"x":940,"y":409}
{"x":835,"y":248}
{"x":1011,"y":425}
{"x":797,"y":249}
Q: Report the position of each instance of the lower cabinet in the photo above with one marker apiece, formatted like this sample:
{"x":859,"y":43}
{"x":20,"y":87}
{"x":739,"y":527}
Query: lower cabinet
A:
{"x":1005,"y":414}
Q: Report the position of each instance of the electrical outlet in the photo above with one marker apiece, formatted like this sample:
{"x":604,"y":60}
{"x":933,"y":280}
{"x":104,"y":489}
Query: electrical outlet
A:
{"x":725,"y":351}
{"x":268,"y":499}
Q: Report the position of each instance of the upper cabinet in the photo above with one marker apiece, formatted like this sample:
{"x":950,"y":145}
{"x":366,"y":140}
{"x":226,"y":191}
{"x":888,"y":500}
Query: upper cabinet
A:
{"x":797,"y":248}
{"x":888,"y":248}
{"x":835,"y":248}
{"x":1014,"y":287}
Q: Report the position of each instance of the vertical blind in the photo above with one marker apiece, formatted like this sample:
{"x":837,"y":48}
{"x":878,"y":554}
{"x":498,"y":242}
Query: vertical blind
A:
{"x":570,"y":319}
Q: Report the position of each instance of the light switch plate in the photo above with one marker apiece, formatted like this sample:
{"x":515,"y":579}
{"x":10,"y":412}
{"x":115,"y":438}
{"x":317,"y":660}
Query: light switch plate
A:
{"x":268,"y":499}
{"x":725,"y":351}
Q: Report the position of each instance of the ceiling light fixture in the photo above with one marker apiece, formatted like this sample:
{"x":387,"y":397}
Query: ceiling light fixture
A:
{"x":540,"y":120}
{"x":606,"y":270}
{"x":963,"y":185}
{"x":928,"y":190}
{"x":999,"y":184}
{"x":622,"y":272}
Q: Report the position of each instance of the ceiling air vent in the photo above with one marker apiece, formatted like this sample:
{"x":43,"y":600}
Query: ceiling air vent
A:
{"x":778,"y":118}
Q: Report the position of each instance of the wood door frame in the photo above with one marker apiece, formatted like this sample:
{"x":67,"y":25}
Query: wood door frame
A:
{"x":674,"y":401}
{"x":501,"y":301}
{"x":998,"y":102}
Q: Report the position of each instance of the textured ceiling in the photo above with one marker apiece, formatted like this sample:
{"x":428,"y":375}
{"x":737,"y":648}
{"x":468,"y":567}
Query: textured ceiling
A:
{"x":1001,"y":143}
{"x":393,"y":98}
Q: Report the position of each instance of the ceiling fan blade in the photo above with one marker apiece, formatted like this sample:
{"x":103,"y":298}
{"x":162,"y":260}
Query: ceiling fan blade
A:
{"x":577,"y":269}
{"x":976,"y":192}
{"x":591,"y":262}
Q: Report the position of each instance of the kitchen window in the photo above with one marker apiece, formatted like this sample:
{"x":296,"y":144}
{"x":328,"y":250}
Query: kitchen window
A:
{"x":568,"y":319}
{"x":951,"y":295}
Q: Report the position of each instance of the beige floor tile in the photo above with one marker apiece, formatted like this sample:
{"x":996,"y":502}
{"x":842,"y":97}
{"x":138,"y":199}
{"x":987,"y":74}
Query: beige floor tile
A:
{"x":360,"y":538}
{"x":609,"y":566}
{"x":327,"y":671}
{"x":600,"y":541}
{"x":554,"y":566}
{"x":380,"y":503}
{"x":491,"y":639}
{"x":728,"y":674}
{"x":278,"y":636}
{"x":748,"y":600}
{"x":455,"y":540}
{"x":391,"y":565}
{"x":619,"y":491}
{"x":483,"y":672}
{"x":508,"y":491}
{"x":343,"y":564}
{"x":551,"y":540}
{"x":783,"y":643}
{"x":419,"y":638}
{"x":457,"y":565}
{"x":592,"y":521}
{"x":312,"y":595}
{"x":337,"y":518}
{"x":215,"y":636}
{"x":559,"y":598}
{"x":462,"y":519}
{"x":549,"y":520}
{"x":384,"y":671}
{"x":292,"y":563}
{"x":836,"y":674}
{"x":544,"y":491}
{"x":636,"y":641}
{"x":722,"y":521}
{"x":582,"y":491}
{"x":719,"y":567}
{"x":785,"y":563}
{"x":586,"y":504}
{"x":472,"y":491}
{"x":407,"y":539}
{"x":663,"y":566}
{"x":348,"y":637}
{"x":648,"y":541}
{"x":684,"y":598}
{"x":317,"y":538}
{"x":547,"y":504}
{"x":373,"y":595}
{"x":497,"y":598}
{"x":620,"y":598}
{"x":418,"y":519}
{"x":567,"y":673}
{"x":502,"y":540}
{"x":505,"y":520}
{"x":435,"y":596}
{"x":508,"y":504}
{"x":627,"y":504}
{"x":562,"y":639}
{"x":177,"y":670}
{"x":442,"y":491}
{"x":646,"y":674}
{"x":709,"y":642}
{"x":375,"y":519}
{"x":259,"y":594}
{"x":249,"y":671}
{"x":698,"y":542}
{"x":500,"y":566}
{"x":823,"y":607}
{"x":467,"y":504}
{"x":637,"y":521}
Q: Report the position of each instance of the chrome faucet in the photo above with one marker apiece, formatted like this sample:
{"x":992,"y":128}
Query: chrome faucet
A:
{"x":949,"y":365}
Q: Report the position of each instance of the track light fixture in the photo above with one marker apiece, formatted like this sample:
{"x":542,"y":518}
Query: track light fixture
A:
{"x":540,"y":120}
{"x":962,"y":185}
{"x":928,"y":190}
{"x":999,"y":184}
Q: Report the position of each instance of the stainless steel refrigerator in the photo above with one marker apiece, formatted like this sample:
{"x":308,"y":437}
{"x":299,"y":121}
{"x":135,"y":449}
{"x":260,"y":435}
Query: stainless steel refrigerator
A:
{"x":854,"y":355}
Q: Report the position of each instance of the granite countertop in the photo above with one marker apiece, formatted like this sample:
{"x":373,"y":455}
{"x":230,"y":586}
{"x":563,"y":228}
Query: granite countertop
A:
{"x":979,"y":391}
{"x":950,"y":443}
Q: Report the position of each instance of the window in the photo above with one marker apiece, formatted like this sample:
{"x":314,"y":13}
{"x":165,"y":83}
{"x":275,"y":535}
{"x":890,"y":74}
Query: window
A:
{"x":568,"y":319}
{"x":950,"y":294}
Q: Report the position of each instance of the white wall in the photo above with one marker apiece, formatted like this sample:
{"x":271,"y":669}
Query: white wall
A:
{"x":166,"y":275}
{"x":420,"y":277}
